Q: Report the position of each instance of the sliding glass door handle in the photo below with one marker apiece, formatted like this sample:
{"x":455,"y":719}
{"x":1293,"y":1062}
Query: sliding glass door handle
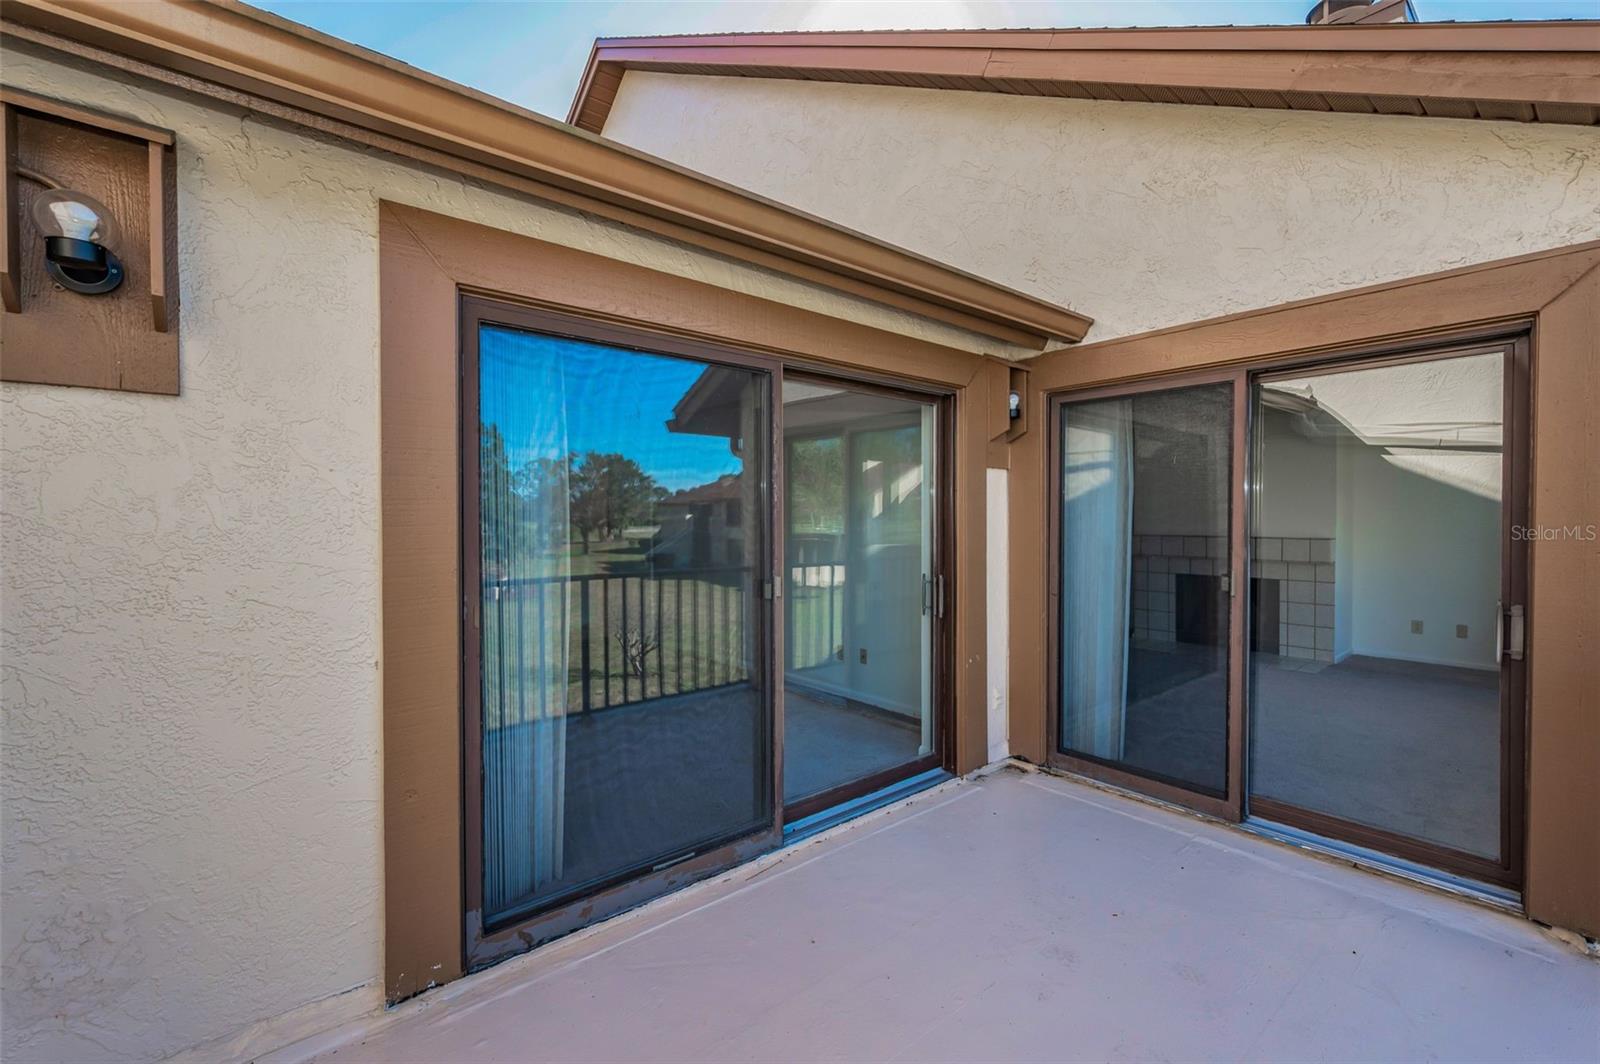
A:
{"x":1509,"y":638}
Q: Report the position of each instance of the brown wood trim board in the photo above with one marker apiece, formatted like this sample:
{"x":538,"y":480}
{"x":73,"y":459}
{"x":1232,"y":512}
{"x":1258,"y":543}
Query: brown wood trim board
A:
{"x":126,"y":339}
{"x":1520,"y":71}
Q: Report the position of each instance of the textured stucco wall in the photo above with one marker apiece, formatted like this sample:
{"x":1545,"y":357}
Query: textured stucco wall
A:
{"x":191,"y":772}
{"x":1140,"y":215}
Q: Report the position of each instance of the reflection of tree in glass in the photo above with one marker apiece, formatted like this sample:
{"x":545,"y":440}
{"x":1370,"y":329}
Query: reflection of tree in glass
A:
{"x":609,"y":493}
{"x":816,"y":485}
{"x":606,"y":493}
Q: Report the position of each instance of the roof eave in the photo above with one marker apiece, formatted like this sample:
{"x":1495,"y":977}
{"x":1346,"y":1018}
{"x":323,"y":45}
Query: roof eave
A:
{"x":1531,"y":71}
{"x":249,"y":51}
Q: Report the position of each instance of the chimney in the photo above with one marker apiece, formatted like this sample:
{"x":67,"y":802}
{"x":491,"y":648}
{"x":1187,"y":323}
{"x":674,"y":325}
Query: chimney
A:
{"x":1368,"y":12}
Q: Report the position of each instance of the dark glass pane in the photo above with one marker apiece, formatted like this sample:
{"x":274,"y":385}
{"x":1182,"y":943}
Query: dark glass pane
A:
{"x":624,"y":720}
{"x":859,"y":545}
{"x":1144,"y":583}
{"x":1375,"y":692}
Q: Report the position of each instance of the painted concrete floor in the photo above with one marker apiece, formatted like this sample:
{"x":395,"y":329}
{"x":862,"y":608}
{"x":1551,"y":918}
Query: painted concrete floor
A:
{"x":1024,"y":917}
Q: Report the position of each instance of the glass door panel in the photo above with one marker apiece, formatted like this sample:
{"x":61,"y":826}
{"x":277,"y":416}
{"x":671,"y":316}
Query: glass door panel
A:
{"x":624,"y":719}
{"x":859,"y":587}
{"x":1144,"y":584}
{"x":1377,"y":524}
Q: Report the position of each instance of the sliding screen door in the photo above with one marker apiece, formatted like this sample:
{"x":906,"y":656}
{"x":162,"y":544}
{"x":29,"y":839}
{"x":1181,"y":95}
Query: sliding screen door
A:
{"x":618,"y":633}
{"x":1386,"y":660}
{"x":861,"y":590}
{"x":1144,"y":585}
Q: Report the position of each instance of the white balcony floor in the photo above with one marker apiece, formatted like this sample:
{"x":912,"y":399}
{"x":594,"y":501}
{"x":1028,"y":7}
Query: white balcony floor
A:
{"x":1023,"y":917}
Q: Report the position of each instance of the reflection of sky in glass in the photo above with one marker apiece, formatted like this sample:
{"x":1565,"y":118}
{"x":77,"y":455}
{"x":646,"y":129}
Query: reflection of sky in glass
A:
{"x":616,"y":402}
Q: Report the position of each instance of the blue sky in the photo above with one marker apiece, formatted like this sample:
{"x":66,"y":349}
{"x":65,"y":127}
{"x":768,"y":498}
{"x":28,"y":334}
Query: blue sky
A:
{"x":611,"y":402}
{"x":532,"y":53}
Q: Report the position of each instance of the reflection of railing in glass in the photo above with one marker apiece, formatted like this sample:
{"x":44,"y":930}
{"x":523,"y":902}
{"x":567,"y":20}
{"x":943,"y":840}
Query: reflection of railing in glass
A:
{"x":631,"y":638}
{"x":814,"y":625}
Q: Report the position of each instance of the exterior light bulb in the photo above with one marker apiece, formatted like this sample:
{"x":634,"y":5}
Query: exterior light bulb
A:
{"x":74,"y":219}
{"x":76,"y":228}
{"x":75,"y":215}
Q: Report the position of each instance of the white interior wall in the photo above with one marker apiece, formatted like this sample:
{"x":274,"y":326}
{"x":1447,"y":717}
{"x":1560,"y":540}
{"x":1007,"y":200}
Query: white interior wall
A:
{"x":1416,"y":529}
{"x":1422,"y":549}
{"x":1344,"y":555}
{"x":191,"y":758}
{"x":1140,"y":215}
{"x":1296,"y":481}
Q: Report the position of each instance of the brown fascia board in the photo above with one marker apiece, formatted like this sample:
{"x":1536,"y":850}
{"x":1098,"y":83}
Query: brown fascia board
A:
{"x":1511,"y":67}
{"x":240,"y":48}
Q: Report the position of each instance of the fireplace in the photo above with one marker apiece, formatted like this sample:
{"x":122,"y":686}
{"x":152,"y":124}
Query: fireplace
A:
{"x":1200,"y":611}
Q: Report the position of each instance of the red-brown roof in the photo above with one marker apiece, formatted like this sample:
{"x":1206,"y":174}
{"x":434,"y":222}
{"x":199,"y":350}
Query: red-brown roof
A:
{"x":1523,"y":71}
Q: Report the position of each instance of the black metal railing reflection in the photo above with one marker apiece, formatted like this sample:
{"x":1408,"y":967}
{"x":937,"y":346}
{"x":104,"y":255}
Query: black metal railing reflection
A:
{"x":814,"y":614}
{"x":629,"y":638}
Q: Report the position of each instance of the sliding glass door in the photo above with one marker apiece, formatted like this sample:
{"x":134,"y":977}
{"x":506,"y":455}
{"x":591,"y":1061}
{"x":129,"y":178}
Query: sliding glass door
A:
{"x":619,"y":716}
{"x":862,"y":589}
{"x":1385,"y":676}
{"x":1351,"y":668}
{"x":1144,"y":587}
{"x":627,"y":615}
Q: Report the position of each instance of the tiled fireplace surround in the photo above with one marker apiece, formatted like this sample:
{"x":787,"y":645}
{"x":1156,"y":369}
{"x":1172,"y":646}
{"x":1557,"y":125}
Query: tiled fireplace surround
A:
{"x":1300,"y":567}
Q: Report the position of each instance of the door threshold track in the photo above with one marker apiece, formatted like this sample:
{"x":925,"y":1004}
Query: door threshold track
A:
{"x":1377,"y":861}
{"x":838,"y":814}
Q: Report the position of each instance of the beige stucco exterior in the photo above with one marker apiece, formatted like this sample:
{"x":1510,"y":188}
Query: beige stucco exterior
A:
{"x":190,"y":650}
{"x":1140,"y":215}
{"x":192,"y":791}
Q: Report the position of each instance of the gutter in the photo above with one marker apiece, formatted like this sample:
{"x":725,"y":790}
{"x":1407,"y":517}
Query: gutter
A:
{"x":230,"y":45}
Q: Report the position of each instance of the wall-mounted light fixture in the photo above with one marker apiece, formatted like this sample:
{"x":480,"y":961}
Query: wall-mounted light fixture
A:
{"x":61,"y":164}
{"x":1014,"y":405}
{"x":76,"y":228}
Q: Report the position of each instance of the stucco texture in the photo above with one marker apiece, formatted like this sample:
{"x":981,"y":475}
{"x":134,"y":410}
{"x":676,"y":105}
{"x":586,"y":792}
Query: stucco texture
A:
{"x":1139,"y":215}
{"x":191,"y":741}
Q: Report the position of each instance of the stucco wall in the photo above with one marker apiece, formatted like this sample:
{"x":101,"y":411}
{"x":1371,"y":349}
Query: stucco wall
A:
{"x":1140,"y":215}
{"x":191,"y":770}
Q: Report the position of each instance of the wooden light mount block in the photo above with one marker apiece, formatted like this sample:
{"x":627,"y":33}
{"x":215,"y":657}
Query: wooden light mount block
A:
{"x":126,"y":339}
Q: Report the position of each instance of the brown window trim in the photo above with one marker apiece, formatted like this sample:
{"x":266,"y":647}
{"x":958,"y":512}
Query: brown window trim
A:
{"x":427,"y":262}
{"x":1554,"y":295}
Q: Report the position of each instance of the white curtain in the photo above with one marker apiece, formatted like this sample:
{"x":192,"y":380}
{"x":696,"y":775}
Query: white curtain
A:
{"x":1096,"y":567}
{"x":526,"y":525}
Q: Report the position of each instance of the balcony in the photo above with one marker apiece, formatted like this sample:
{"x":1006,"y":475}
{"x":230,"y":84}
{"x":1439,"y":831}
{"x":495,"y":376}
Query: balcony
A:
{"x":1020,"y":916}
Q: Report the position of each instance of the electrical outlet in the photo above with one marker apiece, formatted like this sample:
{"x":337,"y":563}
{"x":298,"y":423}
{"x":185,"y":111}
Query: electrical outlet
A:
{"x":1416,"y":627}
{"x":863,"y":655}
{"x":1461,"y":631}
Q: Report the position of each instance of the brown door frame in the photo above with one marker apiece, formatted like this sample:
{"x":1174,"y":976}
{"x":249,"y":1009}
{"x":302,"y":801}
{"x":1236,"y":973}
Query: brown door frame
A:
{"x":943,"y":638}
{"x":484,"y":946}
{"x":1228,"y":805}
{"x":1237,"y":805}
{"x":1506,"y":870}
